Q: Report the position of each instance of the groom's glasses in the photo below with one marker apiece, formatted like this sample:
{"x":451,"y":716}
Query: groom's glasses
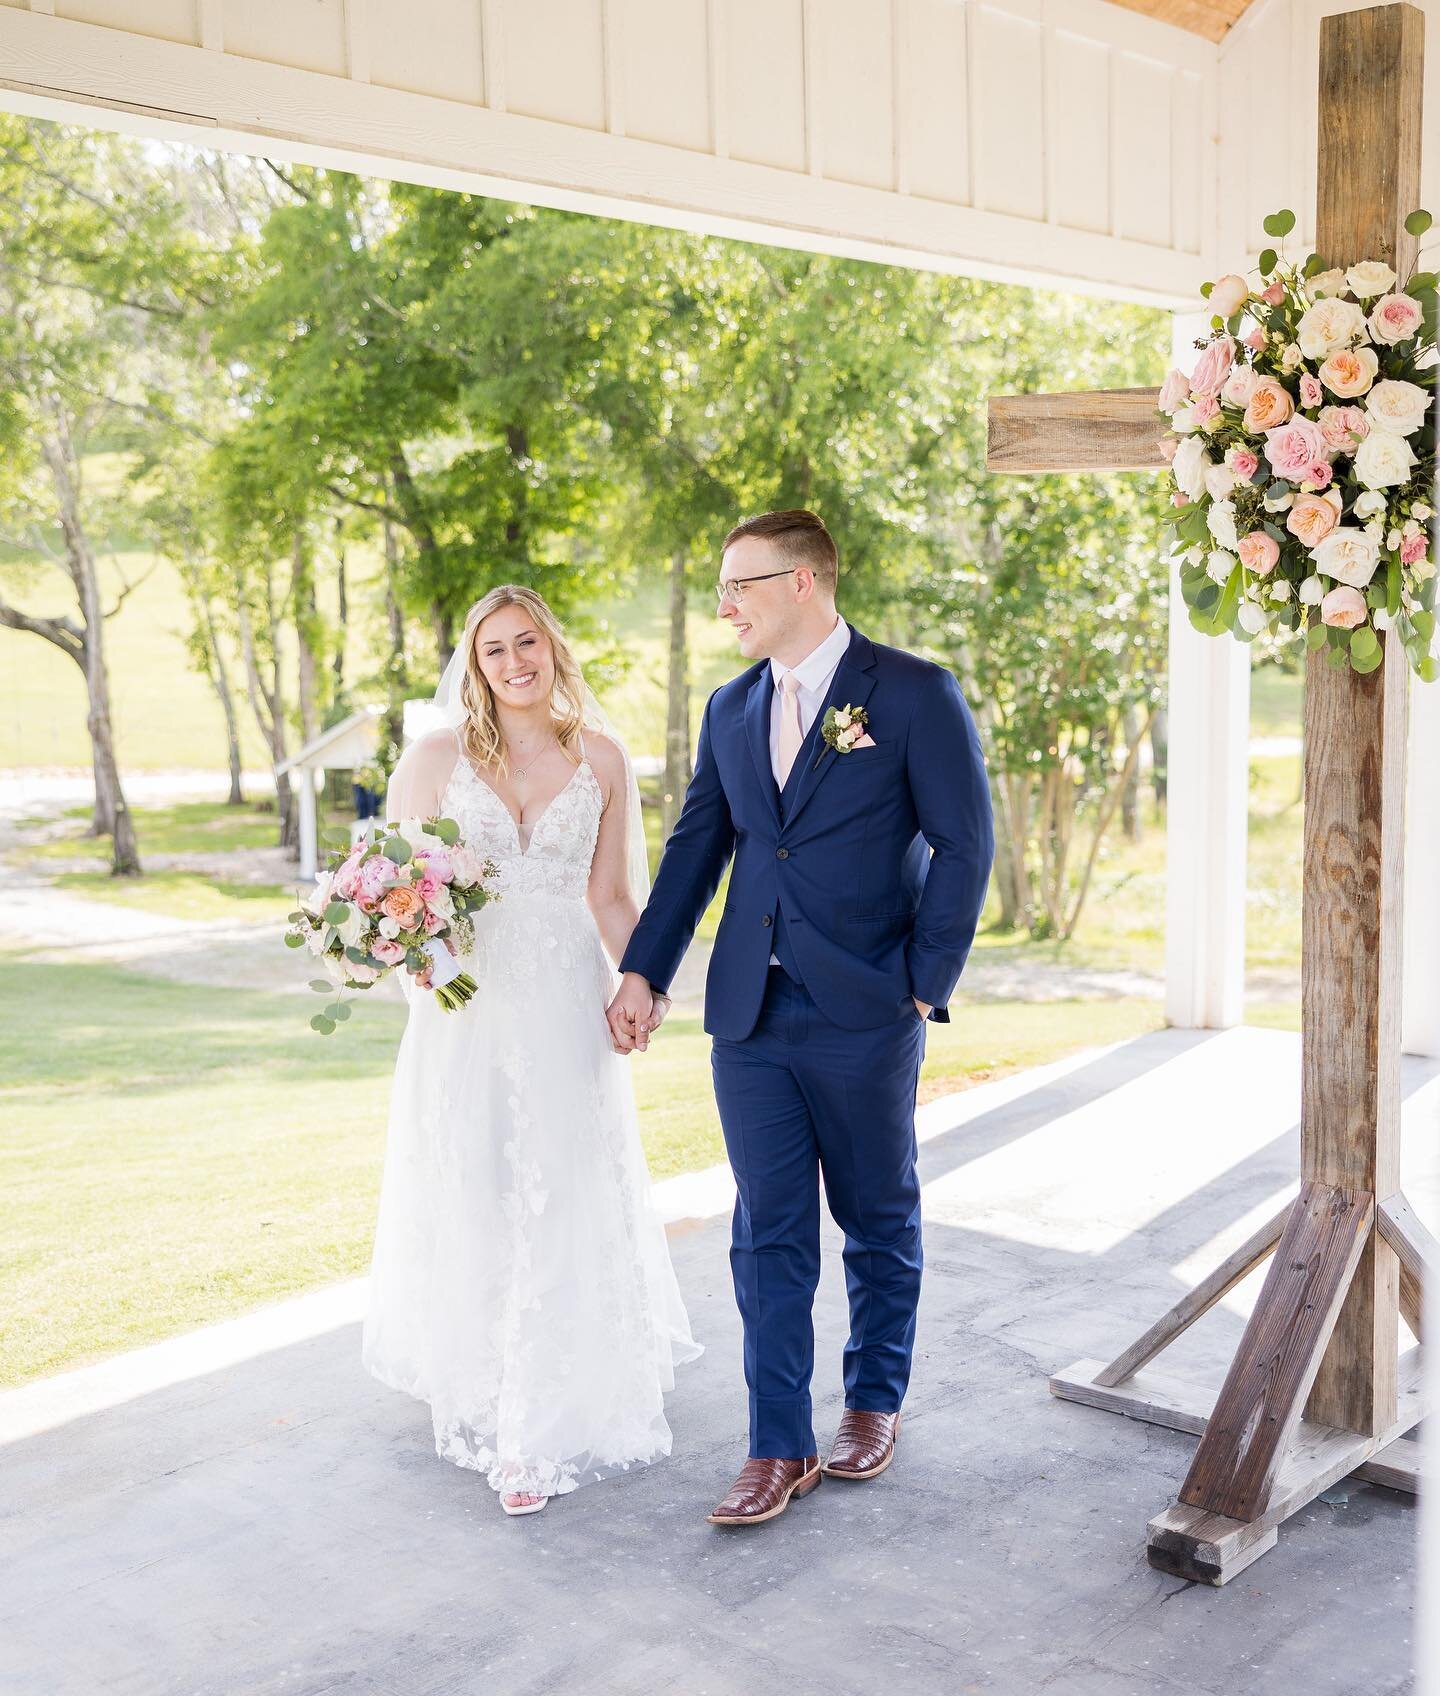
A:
{"x":734,"y":590}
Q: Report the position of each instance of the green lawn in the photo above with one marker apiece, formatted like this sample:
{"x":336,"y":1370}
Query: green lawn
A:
{"x":174,"y":1154}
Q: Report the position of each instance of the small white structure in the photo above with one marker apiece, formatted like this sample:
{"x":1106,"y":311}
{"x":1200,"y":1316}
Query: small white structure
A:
{"x":350,"y":743}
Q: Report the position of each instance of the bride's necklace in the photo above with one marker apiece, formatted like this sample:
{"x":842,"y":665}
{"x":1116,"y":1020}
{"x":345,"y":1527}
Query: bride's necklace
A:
{"x":520,"y":771}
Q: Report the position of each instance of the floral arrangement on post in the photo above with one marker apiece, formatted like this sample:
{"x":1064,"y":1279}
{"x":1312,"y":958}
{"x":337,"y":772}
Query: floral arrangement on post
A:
{"x":403,"y":896}
{"x":1302,"y":452}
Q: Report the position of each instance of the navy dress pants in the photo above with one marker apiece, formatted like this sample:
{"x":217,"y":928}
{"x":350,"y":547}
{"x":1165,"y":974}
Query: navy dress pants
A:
{"x":800,"y":1097}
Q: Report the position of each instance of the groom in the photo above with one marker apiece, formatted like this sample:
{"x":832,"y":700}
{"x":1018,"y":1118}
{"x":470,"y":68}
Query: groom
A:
{"x":859,"y":873}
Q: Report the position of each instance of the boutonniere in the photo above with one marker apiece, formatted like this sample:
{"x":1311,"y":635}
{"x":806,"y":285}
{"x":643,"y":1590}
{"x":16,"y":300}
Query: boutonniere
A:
{"x":843,"y":729}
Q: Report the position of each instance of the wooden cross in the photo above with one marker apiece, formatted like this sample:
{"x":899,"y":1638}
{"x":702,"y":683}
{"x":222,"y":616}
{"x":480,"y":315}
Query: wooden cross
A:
{"x":1316,"y":1389}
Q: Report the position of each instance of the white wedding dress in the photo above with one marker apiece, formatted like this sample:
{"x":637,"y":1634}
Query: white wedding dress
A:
{"x":521,"y":1282}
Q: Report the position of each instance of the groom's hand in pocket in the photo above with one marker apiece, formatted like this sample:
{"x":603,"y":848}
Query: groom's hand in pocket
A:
{"x":631,"y":1015}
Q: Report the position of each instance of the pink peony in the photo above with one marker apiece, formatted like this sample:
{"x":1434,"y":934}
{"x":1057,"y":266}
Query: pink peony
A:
{"x":1242,"y":462}
{"x":1311,"y":393}
{"x":1294,"y":447}
{"x":1204,"y":408}
{"x":1344,"y":607}
{"x":1213,"y":367}
{"x":429,"y":885}
{"x":1395,"y":318}
{"x":347,"y":877}
{"x":374,"y":880}
{"x":1258,"y":552}
{"x":438,"y":863}
{"x":391,"y":953}
{"x":1414,"y":548}
{"x":434,"y":923}
{"x":1343,"y":427}
{"x":1174,"y":390}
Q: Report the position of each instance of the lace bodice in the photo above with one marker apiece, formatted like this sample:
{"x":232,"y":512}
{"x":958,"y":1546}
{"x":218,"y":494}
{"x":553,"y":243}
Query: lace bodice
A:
{"x":556,"y":859}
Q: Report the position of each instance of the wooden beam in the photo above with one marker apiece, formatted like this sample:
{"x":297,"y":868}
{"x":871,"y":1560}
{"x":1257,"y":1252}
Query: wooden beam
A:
{"x":1197,"y":1301}
{"x":1418,"y":1254}
{"x":1242,"y":1451}
{"x":1100,"y":430}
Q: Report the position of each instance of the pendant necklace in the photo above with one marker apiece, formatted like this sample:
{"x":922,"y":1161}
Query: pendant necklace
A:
{"x":519,"y":771}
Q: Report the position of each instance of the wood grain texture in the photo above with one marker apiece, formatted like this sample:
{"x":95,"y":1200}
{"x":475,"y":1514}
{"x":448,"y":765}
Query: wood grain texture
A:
{"x":1418,"y":1254}
{"x":1259,"y":1405}
{"x":1098,"y":430}
{"x":1368,"y":172}
{"x":1196,"y":1302}
{"x":1210,"y":18}
{"x":1219,"y":1546}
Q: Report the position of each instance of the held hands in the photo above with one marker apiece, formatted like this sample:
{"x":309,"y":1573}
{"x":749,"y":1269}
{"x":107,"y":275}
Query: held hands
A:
{"x":635,"y":1014}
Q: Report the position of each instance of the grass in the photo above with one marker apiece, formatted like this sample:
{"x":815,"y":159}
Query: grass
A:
{"x":175,"y":1154}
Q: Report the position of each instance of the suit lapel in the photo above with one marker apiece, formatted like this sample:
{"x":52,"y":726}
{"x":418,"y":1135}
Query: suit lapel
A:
{"x":851,"y":685}
{"x":757,"y":732}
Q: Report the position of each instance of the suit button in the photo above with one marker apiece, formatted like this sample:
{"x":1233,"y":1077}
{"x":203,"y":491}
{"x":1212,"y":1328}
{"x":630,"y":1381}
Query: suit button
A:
{"x":765,"y":920}
{"x":782,"y":853}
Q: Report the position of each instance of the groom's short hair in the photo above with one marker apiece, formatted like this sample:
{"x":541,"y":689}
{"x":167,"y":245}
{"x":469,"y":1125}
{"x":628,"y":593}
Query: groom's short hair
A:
{"x":800,"y":536}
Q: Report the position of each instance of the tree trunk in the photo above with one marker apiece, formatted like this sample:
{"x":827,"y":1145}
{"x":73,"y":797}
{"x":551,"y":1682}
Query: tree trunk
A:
{"x":338,"y":663}
{"x":268,"y":704}
{"x":307,"y":620}
{"x":397,"y":673}
{"x":112,"y":815}
{"x":677,"y":716}
{"x":1132,"y":823}
{"x":411,"y":505}
{"x":220,"y":683}
{"x":1159,"y":753}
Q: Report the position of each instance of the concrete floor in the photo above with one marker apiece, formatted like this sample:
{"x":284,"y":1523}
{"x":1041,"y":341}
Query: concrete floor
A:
{"x":246,"y":1511}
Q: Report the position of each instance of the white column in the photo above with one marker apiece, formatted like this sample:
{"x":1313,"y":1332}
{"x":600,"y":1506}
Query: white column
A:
{"x":1420,"y":996}
{"x":1208,"y":790}
{"x":309,"y":859}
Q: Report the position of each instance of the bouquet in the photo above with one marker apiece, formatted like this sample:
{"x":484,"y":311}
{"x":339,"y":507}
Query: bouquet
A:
{"x":1302,"y":454}
{"x":404,"y":896}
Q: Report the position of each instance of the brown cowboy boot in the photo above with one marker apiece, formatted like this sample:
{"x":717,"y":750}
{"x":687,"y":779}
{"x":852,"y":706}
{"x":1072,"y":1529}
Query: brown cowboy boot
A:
{"x":864,"y":1445}
{"x":764,"y":1489}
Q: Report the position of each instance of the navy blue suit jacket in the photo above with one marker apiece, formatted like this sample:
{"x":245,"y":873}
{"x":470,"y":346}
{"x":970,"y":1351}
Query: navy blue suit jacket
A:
{"x":872,"y":915}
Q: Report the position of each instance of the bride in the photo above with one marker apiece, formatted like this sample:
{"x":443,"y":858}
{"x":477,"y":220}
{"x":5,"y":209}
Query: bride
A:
{"x":520,"y":1282}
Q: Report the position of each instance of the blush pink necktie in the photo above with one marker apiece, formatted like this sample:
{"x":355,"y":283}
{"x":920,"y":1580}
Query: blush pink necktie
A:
{"x":792,"y":732}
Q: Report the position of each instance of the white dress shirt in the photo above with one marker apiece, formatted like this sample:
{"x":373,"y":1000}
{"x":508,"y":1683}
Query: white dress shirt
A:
{"x":815,"y":672}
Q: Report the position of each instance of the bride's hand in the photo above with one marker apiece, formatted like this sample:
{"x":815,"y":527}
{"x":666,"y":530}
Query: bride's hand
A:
{"x":659,"y":1006}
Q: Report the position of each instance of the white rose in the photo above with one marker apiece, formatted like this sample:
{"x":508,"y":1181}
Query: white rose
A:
{"x":1280,"y":503}
{"x":1312,"y":592}
{"x":1371,"y":278}
{"x":842,"y":721}
{"x":1189,"y":467}
{"x":1220,"y":520}
{"x":1384,"y":459}
{"x":1291,"y":357}
{"x":1280,"y":591}
{"x":1421,"y":511}
{"x":1369,"y":504}
{"x":1252,"y":619}
{"x":1397,"y":406}
{"x":1229,"y":295}
{"x":1348,"y":555}
{"x":353,"y":927}
{"x":389,"y":928}
{"x":1219,"y":565}
{"x":1328,"y":282}
{"x":1182,"y":420}
{"x":1392,"y":541}
{"x":1219,"y":481}
{"x":1327,"y":325}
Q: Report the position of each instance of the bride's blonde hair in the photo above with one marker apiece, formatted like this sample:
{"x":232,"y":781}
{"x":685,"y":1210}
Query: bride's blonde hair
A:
{"x":480,"y":735}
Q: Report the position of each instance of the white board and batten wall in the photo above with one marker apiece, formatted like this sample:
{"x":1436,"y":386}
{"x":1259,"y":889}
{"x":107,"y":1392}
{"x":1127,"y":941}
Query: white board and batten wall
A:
{"x":1064,"y":143}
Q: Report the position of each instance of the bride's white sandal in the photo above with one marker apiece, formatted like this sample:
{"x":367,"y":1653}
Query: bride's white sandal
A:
{"x":522,"y":1507}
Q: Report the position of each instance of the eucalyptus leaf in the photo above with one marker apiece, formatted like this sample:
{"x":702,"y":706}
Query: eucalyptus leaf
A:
{"x":322,"y":1024}
{"x":397,"y":850}
{"x":1315,"y":637}
{"x":293,"y":941}
{"x":1363,"y":642}
{"x":448,"y":831}
{"x":1428,"y":669}
{"x":1365,"y":663}
{"x":337,"y":913}
{"x":1205,"y":290}
{"x":1268,"y":261}
{"x":322,"y":986}
{"x":1418,"y":222}
{"x":1279,"y":223}
{"x":1338,"y":657}
{"x":340,"y":1011}
{"x":1424,"y":623}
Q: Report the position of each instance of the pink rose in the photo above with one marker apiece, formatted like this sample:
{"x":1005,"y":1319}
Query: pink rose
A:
{"x":1414,"y":548}
{"x":1259,"y":551}
{"x":1344,"y":607}
{"x":1311,"y":394}
{"x":434,"y":923}
{"x":391,"y":953}
{"x":1269,"y":405}
{"x":1274,"y":295}
{"x":1318,"y":474}
{"x":1228,"y":296}
{"x":1179,"y":498}
{"x":1174,"y":390}
{"x":1239,"y":385}
{"x":1311,"y":518}
{"x":1168,"y":445}
{"x":1256,"y":341}
{"x":1204,"y":407}
{"x":429,"y":885}
{"x":1242,"y":462}
{"x":1343,"y":427}
{"x":1394,"y":318}
{"x":1294,"y":447}
{"x":1213,"y":367}
{"x":358,"y":972}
